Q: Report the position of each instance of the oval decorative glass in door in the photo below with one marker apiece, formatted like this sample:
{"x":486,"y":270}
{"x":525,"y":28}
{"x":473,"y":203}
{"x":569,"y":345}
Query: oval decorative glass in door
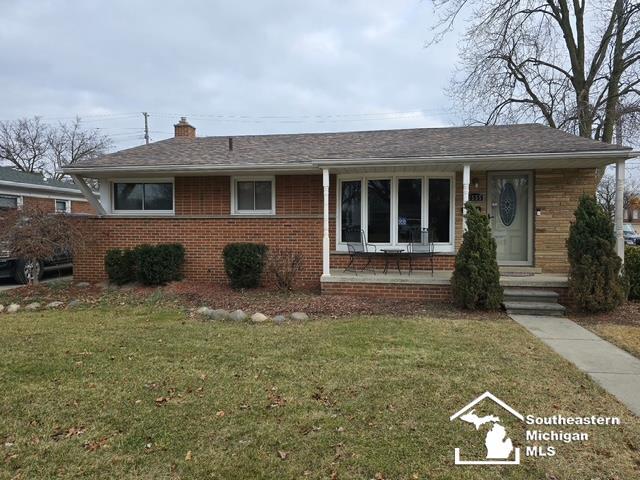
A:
{"x":507,"y":204}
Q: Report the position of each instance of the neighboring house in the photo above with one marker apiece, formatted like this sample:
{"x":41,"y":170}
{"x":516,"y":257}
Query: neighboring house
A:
{"x":632,"y":214}
{"x":309,"y":192}
{"x":19,"y":189}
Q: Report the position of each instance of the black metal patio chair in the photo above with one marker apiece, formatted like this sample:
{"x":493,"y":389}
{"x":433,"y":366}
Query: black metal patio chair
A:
{"x":421,"y":244}
{"x":360,"y":249}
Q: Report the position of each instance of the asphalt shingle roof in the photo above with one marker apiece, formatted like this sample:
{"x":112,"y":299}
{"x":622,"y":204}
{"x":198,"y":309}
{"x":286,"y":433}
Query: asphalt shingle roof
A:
{"x":9,"y":174}
{"x":304,"y":148}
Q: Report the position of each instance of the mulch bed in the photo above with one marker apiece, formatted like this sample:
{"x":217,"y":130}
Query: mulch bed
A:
{"x":627,"y":314}
{"x":269,"y":302}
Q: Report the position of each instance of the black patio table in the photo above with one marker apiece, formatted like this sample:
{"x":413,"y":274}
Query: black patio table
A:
{"x":392,"y":253}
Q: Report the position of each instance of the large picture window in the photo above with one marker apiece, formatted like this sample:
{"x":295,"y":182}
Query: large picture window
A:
{"x":392,"y":210}
{"x":439,"y":209}
{"x":409,"y":208}
{"x":351,"y":196}
{"x":153,"y":197}
{"x":254,"y":196}
{"x":379,"y":211}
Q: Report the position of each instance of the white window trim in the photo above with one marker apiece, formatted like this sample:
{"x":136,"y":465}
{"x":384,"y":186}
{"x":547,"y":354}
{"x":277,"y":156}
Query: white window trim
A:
{"x":67,"y":203}
{"x":439,"y":247}
{"x":234,"y":199}
{"x":114,"y":211}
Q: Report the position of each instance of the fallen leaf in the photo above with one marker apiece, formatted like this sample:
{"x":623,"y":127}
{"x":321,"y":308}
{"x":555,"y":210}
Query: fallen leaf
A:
{"x":188,"y":456}
{"x":282,"y":454}
{"x":220,"y":413}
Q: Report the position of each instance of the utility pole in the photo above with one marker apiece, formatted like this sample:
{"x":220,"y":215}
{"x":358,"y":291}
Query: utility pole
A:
{"x":146,"y":127}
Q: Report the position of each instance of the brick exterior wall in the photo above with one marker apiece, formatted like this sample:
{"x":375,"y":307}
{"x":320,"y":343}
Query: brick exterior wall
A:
{"x":203,"y":239}
{"x":396,"y":291}
{"x":49,"y":205}
{"x":203,"y":224}
{"x":556,"y":196}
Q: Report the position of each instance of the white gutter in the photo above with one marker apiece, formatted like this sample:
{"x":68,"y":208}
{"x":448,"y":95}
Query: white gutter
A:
{"x":147,"y":169}
{"x":335,"y":162}
{"x":448,"y":159}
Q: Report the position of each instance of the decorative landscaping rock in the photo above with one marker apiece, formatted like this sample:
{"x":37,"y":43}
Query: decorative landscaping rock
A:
{"x":279,"y":319}
{"x":73,"y":304}
{"x":299,"y":316}
{"x":206,"y":311}
{"x":83,"y":284}
{"x":55,"y":304}
{"x":33,"y":306}
{"x":13,"y":308}
{"x":219,"y":314}
{"x":259,"y":317}
{"x":238,"y":316}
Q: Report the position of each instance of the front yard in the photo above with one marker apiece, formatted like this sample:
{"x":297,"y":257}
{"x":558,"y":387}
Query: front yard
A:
{"x":147,"y":391}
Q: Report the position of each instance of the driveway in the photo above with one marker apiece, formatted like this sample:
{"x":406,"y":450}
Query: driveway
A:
{"x":9,"y":283}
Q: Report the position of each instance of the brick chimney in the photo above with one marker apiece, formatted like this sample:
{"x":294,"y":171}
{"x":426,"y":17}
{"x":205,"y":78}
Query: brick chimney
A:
{"x":184,"y":129}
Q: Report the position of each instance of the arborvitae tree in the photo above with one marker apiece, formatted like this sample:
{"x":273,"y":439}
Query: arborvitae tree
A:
{"x":595,"y":282}
{"x":476,"y":278}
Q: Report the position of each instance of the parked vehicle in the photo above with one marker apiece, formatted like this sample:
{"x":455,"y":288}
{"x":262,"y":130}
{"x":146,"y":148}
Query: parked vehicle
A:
{"x":19,"y":268}
{"x":630,"y":235}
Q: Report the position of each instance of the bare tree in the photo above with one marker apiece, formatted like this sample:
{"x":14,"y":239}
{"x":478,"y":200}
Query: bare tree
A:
{"x":70,"y":143}
{"x":606,"y":192}
{"x":572,"y":64}
{"x":24,"y":144}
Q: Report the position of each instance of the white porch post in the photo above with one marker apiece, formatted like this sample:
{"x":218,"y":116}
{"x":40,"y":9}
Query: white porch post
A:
{"x":466,"y":179}
{"x":326,"y":246}
{"x":619,"y":212}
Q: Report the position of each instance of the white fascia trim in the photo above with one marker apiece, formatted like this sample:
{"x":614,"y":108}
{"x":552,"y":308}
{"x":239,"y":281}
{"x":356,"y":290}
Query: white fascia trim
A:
{"x":40,"y":187}
{"x":178,"y":169}
{"x":444,"y":160}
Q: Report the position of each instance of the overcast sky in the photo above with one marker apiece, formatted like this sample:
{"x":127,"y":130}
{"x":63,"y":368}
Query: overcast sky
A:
{"x":264,"y":66}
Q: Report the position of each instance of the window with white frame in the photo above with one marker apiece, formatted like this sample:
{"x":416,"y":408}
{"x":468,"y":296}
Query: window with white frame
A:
{"x":390,"y":209}
{"x":63,"y":206}
{"x":8,"y":201}
{"x":253,"y":195}
{"x":152,"y":197}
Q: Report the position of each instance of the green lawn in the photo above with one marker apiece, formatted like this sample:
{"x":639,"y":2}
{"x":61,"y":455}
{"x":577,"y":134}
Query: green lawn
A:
{"x":127,"y":392}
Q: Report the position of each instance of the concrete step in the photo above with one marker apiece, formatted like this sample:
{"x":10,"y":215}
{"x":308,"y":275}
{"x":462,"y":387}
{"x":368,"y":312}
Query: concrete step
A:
{"x":534,"y":308}
{"x":530,"y":295}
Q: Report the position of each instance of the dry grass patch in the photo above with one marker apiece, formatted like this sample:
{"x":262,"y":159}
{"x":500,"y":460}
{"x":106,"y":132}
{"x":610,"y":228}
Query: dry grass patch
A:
{"x":621,"y":327}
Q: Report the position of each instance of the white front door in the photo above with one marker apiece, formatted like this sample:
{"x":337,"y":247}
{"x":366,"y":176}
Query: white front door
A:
{"x":510,"y":209}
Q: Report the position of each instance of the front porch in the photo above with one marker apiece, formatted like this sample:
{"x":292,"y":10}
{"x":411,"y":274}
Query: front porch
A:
{"x":421,"y":286}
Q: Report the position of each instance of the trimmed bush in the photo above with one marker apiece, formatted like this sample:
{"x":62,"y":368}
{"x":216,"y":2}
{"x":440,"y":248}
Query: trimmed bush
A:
{"x":120,"y":266}
{"x":632,"y":268}
{"x":159,"y":264}
{"x":595,"y":282}
{"x":148,"y":264}
{"x":476,"y":279}
{"x":244,"y":263}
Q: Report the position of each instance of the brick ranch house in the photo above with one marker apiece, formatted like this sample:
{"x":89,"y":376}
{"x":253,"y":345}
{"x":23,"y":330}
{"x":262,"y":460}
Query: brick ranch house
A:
{"x":31,"y":190}
{"x":309,"y":192}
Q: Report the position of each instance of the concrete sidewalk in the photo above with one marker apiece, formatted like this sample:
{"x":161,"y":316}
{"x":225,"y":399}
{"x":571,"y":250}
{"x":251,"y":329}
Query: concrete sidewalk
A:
{"x":615,"y":370}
